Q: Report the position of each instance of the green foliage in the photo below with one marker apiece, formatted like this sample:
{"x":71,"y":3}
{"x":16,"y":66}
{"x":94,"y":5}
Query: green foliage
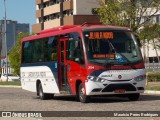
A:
{"x":157,"y":88}
{"x":127,"y":12}
{"x":153,"y":76}
{"x":150,"y":31}
{"x":15,"y":53}
{"x":16,"y":83}
{"x":111,"y":13}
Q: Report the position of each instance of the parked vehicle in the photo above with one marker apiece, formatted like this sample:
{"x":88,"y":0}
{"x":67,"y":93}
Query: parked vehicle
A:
{"x":11,"y":77}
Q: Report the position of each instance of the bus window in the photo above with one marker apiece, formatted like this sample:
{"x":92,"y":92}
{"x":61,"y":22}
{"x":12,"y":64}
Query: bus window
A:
{"x":74,"y":48}
{"x":51,"y":48}
{"x":27,"y":50}
{"x":38,"y":54}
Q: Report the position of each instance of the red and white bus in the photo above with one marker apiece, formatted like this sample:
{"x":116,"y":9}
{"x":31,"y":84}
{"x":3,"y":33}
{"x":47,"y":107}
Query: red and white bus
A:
{"x":83,"y":60}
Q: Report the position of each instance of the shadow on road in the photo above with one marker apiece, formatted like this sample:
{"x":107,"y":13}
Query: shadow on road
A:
{"x":147,"y":97}
{"x":106,"y":99}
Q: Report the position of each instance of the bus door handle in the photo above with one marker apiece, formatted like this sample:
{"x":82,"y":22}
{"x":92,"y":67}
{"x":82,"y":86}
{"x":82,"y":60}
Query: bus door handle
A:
{"x":69,"y":67}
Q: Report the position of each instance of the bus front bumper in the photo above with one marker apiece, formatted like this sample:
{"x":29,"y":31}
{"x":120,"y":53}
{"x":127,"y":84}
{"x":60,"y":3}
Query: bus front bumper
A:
{"x":111,"y":88}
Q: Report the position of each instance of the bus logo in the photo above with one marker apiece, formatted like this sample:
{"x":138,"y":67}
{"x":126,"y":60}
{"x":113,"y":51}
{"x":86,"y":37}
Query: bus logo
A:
{"x":120,"y":76}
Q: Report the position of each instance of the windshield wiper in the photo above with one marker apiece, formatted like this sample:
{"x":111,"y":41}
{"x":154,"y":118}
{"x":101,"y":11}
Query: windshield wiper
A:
{"x":116,"y":53}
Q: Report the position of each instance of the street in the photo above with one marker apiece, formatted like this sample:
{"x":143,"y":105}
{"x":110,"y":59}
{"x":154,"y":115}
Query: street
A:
{"x":16,"y":99}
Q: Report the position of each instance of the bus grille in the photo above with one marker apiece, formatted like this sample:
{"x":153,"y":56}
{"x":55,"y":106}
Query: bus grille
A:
{"x":113,"y":87}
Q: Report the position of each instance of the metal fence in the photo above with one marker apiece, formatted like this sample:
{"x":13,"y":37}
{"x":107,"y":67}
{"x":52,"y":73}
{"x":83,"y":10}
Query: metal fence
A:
{"x":152,"y":67}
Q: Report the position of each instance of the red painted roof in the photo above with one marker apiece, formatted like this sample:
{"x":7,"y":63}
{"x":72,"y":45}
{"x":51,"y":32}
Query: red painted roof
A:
{"x":68,"y":28}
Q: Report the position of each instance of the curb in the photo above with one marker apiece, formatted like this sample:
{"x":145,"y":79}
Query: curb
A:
{"x":10,"y":86}
{"x":152,"y":92}
{"x":146,"y":91}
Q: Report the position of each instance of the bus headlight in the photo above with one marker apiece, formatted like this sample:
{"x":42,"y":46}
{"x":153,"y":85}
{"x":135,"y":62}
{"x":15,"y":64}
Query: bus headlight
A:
{"x":140,"y":78}
{"x":95,"y":79}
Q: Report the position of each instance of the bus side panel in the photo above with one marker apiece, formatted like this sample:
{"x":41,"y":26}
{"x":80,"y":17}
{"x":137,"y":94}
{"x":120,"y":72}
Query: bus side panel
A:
{"x":28,"y":85}
{"x":50,"y":87}
{"x":46,"y":74}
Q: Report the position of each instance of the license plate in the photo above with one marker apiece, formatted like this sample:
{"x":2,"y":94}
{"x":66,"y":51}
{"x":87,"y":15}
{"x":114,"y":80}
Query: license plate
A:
{"x":120,"y":91}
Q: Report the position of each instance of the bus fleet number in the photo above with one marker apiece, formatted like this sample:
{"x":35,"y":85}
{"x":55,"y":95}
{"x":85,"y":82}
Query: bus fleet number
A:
{"x":90,"y":67}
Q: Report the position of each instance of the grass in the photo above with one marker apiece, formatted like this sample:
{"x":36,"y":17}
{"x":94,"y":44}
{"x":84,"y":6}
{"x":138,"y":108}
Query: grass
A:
{"x":16,"y":83}
{"x":157,"y":88}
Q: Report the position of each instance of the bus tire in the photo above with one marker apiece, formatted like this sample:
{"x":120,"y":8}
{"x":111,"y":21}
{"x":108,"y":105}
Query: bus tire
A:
{"x":82,"y":97}
{"x":42,"y":96}
{"x":134,"y":96}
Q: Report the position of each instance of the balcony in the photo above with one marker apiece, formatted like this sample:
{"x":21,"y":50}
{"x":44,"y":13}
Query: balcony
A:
{"x":36,"y":28}
{"x":38,"y":2}
{"x":38,"y":13}
{"x":51,"y":24}
{"x":67,"y":5}
{"x":80,"y":19}
{"x":68,"y":20}
{"x":46,"y":0}
{"x":52,"y":9}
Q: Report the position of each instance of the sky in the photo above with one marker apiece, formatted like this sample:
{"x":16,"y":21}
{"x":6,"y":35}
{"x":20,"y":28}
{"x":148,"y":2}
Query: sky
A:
{"x":22,"y":11}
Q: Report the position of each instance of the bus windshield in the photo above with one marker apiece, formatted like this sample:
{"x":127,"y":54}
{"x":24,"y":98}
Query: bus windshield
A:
{"x":111,"y":47}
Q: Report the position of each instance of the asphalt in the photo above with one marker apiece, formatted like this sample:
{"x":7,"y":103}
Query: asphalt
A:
{"x":154,"y":92}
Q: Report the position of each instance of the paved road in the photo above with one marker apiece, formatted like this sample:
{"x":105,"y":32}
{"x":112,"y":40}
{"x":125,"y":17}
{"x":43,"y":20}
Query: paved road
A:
{"x":16,"y":99}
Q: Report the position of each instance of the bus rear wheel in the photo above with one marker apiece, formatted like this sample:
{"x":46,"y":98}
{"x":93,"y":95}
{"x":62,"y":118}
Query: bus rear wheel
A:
{"x":42,"y":95}
{"x":82,"y":97}
{"x":134,"y":96}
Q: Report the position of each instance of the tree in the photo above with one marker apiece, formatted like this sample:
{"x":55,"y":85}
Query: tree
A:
{"x":128,"y":12}
{"x":150,"y":33}
{"x":136,"y":14}
{"x":15,"y":53}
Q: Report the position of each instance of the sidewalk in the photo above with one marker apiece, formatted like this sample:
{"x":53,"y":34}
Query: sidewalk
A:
{"x":152,"y":92}
{"x":10,"y":86}
{"x":152,"y":84}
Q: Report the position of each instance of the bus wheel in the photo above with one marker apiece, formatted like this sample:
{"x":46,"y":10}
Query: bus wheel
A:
{"x":82,"y":97}
{"x":133,"y":97}
{"x":43,"y":96}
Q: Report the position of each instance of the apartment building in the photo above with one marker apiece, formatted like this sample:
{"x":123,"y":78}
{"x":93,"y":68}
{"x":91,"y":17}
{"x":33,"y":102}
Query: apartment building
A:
{"x":13,"y":28}
{"x":53,"y":13}
{"x":148,"y":49}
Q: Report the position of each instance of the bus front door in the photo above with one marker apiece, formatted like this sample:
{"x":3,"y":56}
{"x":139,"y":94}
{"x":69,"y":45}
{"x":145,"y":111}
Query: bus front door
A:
{"x":62,"y":65}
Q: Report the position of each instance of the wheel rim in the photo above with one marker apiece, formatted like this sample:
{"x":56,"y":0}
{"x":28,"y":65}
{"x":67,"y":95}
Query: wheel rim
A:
{"x":82,"y":93}
{"x":40,"y":92}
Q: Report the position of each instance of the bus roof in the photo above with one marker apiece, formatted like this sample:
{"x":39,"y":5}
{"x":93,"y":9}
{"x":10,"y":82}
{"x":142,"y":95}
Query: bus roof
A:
{"x":68,"y":28}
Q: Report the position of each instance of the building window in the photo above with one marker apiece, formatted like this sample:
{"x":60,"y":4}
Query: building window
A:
{"x":40,"y":6}
{"x":68,"y":12}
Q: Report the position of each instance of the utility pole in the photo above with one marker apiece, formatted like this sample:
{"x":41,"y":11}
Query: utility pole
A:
{"x":5,"y":38}
{"x":0,"y":46}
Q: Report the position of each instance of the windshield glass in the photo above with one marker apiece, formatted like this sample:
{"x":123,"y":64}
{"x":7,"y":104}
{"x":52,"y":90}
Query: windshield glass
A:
{"x":111,"y":47}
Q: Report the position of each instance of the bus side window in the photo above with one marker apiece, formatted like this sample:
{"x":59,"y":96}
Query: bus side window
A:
{"x":52,"y":48}
{"x":74,"y":48}
{"x":27,"y":50}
